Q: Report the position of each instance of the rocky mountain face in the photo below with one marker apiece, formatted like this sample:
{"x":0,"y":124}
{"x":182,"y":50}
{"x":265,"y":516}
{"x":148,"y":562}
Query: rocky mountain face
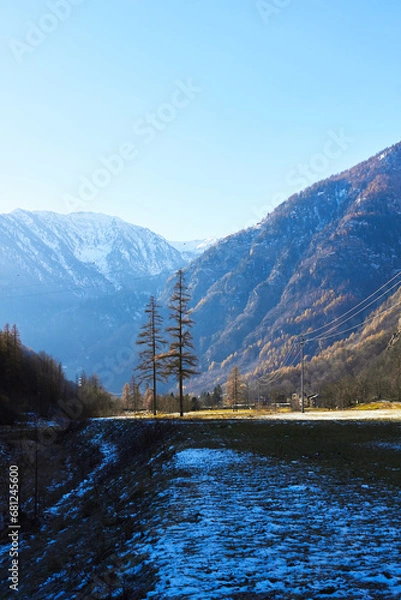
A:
{"x":76,"y":285}
{"x":314,"y":257}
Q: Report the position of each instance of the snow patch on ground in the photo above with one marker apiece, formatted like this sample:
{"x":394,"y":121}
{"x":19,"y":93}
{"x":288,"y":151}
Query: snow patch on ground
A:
{"x":233,"y":523}
{"x":109,"y":452}
{"x":199,"y":458}
{"x":391,"y":414}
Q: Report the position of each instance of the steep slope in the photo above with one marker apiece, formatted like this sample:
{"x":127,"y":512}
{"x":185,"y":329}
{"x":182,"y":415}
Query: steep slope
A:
{"x":364,"y":365}
{"x":379,"y":336}
{"x":312,"y":258}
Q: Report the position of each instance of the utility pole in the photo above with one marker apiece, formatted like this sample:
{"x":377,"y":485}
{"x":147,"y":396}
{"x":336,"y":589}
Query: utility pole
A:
{"x":36,"y":469}
{"x":302,"y":375}
{"x":154,"y":350}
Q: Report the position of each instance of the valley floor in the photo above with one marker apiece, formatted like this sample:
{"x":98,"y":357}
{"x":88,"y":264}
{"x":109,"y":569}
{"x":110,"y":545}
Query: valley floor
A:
{"x":355,"y":414}
{"x":236,"y":524}
{"x":209,"y":510}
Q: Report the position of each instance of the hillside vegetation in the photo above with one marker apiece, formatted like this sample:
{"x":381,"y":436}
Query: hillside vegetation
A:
{"x":309,"y":261}
{"x":34,"y":385}
{"x":363,"y":367}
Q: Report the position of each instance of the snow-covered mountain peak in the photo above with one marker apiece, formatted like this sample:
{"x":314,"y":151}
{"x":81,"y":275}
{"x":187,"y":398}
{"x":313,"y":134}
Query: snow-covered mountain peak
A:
{"x":193,"y":248}
{"x":80,"y":246}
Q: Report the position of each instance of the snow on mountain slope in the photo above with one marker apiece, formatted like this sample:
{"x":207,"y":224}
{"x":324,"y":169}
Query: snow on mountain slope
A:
{"x":194,"y":248}
{"x":81,"y":249}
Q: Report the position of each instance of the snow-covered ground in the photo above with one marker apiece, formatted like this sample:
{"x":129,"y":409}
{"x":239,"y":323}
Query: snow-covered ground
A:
{"x":386,"y":414}
{"x":236,"y":525}
{"x":109,"y":452}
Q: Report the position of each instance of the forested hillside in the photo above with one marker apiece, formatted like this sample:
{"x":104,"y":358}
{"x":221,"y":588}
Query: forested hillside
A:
{"x":34,"y":384}
{"x":364,"y":366}
{"x":313,"y":258}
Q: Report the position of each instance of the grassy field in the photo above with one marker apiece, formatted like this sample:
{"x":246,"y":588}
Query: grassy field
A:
{"x":366,"y":450}
{"x":388,"y":409}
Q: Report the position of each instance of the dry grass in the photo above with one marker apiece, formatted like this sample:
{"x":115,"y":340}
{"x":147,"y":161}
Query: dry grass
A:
{"x":378,"y":406}
{"x":209,"y":414}
{"x":226,"y":414}
{"x":391,"y":410}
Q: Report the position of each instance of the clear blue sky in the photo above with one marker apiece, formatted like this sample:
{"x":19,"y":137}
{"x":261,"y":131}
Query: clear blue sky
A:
{"x":95,"y":78}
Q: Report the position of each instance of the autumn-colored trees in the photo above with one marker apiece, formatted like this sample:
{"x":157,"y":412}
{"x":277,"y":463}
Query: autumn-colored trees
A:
{"x":157,"y":361}
{"x":131,"y":397}
{"x":150,"y":338}
{"x":180,"y":360}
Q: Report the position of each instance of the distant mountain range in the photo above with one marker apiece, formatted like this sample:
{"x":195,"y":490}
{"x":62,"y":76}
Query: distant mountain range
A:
{"x":80,"y":249}
{"x":76,"y":285}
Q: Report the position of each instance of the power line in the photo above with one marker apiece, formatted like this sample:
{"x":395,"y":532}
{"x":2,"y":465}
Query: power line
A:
{"x":332,"y":325}
{"x":286,"y":357}
{"x":351,"y":310}
{"x":365,"y":322}
{"x":278,"y":375}
{"x":363,"y":308}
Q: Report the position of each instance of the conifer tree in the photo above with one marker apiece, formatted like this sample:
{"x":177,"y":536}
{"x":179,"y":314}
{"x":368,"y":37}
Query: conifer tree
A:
{"x":150,"y":337}
{"x":235,"y":388}
{"x":136,"y":397}
{"x":126,"y":399}
{"x":180,"y":361}
{"x":217,"y":396}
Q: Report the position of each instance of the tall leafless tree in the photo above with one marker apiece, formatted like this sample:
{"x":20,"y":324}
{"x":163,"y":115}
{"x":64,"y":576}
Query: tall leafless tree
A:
{"x":235,"y":388}
{"x":153,"y":342}
{"x":180,"y":360}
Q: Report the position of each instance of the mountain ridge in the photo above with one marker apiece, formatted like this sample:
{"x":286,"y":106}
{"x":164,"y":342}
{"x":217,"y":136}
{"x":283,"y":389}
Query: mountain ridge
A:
{"x":93,"y":242}
{"x":311,"y":258}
